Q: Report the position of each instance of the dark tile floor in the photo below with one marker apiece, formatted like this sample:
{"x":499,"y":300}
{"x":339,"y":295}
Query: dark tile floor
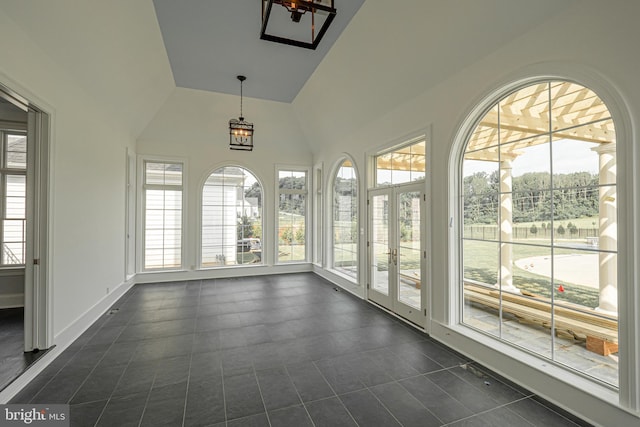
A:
{"x":13,"y":360}
{"x":285,"y":350}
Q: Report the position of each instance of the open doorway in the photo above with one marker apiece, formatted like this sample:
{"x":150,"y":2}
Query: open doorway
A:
{"x":23,"y":291}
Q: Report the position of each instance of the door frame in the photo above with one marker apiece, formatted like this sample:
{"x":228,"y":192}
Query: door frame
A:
{"x":38,"y":325}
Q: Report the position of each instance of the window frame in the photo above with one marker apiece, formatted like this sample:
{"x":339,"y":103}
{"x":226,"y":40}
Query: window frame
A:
{"x":278,"y":191}
{"x":141,"y":222}
{"x":559,"y":378}
{"x":200,"y":219}
{"x":331,"y":237}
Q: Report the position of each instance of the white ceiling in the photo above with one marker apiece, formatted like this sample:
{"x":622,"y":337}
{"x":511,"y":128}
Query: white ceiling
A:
{"x":209,"y":43}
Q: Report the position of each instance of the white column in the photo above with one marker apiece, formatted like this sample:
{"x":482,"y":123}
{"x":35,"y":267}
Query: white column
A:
{"x":506,"y":227}
{"x":608,"y":229}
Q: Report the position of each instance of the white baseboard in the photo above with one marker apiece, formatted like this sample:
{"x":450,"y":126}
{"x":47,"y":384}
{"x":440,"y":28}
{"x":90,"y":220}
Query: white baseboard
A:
{"x":65,"y":338}
{"x":11,"y":300}
{"x":341,"y":281}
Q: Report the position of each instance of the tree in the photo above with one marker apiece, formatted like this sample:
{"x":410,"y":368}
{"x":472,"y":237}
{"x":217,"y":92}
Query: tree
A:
{"x":561,"y":230}
{"x":533,"y":230}
{"x":287,"y":235}
{"x":573,"y":230}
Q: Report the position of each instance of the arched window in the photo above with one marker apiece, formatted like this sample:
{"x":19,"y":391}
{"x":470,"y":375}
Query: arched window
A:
{"x":231,"y":218}
{"x":345,"y":220}
{"x":539,"y":227}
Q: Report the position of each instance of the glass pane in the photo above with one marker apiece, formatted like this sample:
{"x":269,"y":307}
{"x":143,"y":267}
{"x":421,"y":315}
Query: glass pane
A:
{"x":531,"y":215}
{"x":585,"y":290}
{"x":291,"y":233}
{"x":153,"y":258}
{"x":409,"y":249}
{"x":524,"y":113}
{"x":380,"y":243}
{"x":480,"y":265}
{"x":13,"y":232}
{"x":345,"y":220}
{"x":16,"y":152}
{"x":292,"y":180}
{"x":485,"y":135}
{"x":572,"y":104}
{"x":163,"y":173}
{"x":403,"y":165}
{"x":480,"y":197}
{"x":383,"y":169}
{"x":574,"y":157}
{"x":15,"y":191}
{"x":530,"y":158}
{"x":13,"y":253}
{"x":525,"y":284}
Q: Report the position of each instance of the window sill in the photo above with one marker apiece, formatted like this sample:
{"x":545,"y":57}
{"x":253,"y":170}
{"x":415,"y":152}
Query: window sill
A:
{"x":544,"y":367}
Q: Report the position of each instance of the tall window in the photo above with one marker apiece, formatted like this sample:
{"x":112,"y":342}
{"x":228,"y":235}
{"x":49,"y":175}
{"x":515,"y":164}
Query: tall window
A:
{"x":162,"y":215}
{"x":13,"y":188}
{"x":539,"y":237}
{"x":292,"y":215}
{"x":345,"y":220}
{"x":231,"y":218}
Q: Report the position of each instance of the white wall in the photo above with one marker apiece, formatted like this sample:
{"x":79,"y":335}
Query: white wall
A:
{"x":194,"y":126}
{"x":87,"y":178}
{"x":591,"y":39}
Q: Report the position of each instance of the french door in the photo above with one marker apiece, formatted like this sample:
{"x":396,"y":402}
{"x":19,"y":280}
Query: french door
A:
{"x":396,"y":250}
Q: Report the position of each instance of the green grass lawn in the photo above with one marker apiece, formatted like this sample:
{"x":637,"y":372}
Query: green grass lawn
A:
{"x":481,"y":263}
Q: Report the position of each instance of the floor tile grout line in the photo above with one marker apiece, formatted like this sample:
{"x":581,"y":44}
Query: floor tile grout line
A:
{"x":486,"y":411}
{"x":336,"y":394}
{"x":186,"y":397}
{"x":108,"y":400}
{"x":298,"y":392}
{"x":255,"y":375}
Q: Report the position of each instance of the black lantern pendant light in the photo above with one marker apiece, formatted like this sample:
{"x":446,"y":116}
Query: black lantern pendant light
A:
{"x":240,"y":132}
{"x":292,"y":25}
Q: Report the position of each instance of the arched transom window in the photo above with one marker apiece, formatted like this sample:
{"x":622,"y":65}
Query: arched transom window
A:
{"x":231,"y":218}
{"x":539,"y":235}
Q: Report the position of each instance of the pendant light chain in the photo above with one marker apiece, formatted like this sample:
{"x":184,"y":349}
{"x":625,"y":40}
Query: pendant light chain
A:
{"x":241,"y":116}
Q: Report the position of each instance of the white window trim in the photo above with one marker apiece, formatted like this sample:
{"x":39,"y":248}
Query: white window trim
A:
{"x":628,"y":396}
{"x":198,"y":231}
{"x":329,"y":215}
{"x":140,"y":233}
{"x":308,"y":200}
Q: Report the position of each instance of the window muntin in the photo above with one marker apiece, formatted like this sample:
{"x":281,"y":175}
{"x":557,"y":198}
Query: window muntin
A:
{"x":292,"y":215}
{"x":345,"y":220}
{"x":406,"y":164}
{"x":539,"y":237}
{"x":231,"y":218}
{"x":13,"y":189}
{"x":162,"y":215}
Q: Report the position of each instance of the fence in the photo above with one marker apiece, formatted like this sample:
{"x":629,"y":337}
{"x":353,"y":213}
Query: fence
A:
{"x":485,"y":232}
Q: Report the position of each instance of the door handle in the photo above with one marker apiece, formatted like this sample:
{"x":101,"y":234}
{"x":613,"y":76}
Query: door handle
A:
{"x":394,"y":256}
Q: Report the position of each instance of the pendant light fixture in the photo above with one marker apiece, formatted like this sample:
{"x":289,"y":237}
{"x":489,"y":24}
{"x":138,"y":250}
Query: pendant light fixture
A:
{"x":240,"y":132}
{"x":289,"y":23}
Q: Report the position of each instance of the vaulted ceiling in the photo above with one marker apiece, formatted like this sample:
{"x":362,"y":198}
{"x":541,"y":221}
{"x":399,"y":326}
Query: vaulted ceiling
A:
{"x":131,"y":55}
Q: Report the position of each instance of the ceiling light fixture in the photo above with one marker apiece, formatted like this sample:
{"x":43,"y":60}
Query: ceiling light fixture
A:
{"x":240,"y":132}
{"x":299,"y":28}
